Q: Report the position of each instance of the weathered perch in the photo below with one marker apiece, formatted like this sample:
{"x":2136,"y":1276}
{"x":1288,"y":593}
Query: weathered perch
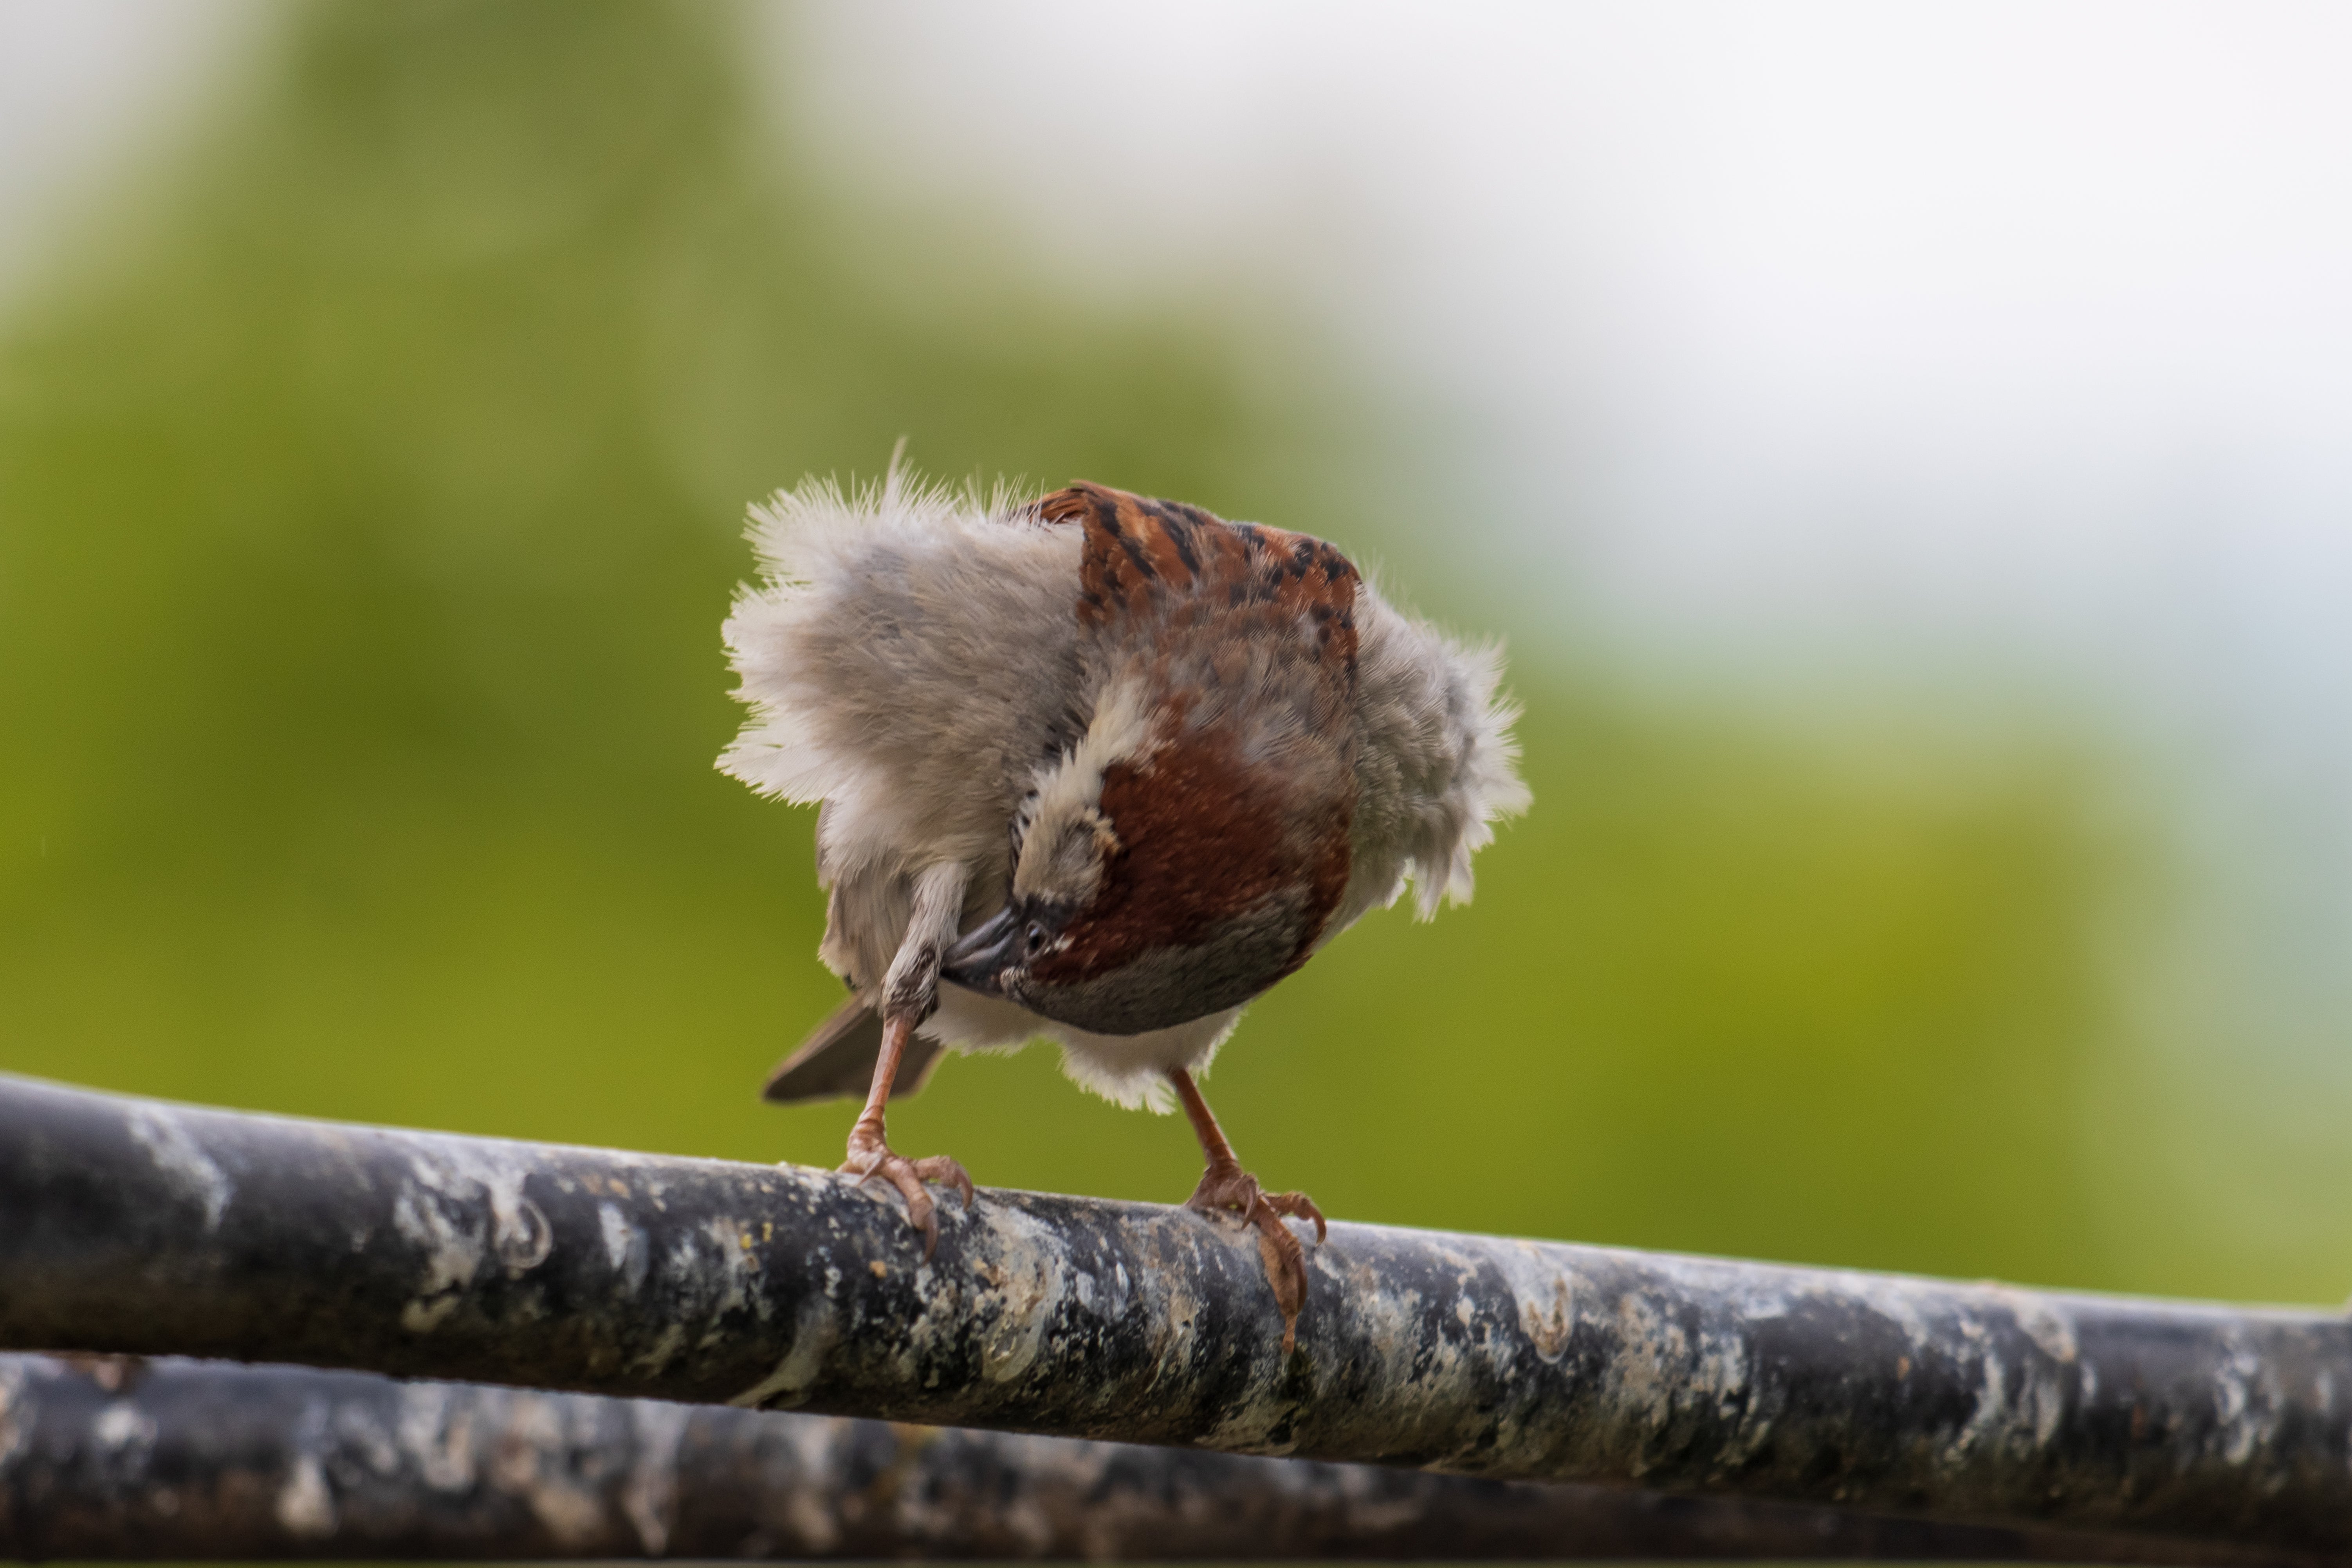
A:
{"x":133,"y":1460}
{"x":139,"y":1227}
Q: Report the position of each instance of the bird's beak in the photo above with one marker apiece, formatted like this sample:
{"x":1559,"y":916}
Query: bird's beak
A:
{"x":980,"y":957}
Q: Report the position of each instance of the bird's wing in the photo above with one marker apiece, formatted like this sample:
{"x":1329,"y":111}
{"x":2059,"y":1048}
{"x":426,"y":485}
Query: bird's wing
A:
{"x":1142,"y":557}
{"x":1239,"y":643}
{"x":837,"y":1061}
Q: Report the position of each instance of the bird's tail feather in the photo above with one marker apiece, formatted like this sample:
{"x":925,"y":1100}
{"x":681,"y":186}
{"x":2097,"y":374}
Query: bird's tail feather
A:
{"x":837,"y":1059}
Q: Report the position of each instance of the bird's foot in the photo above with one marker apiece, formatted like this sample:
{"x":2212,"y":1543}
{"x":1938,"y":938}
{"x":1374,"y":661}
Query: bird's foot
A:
{"x":870,"y":1157}
{"x":1226,"y":1188}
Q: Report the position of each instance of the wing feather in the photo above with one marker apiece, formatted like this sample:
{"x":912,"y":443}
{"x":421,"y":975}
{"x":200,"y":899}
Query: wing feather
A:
{"x":837,"y":1059}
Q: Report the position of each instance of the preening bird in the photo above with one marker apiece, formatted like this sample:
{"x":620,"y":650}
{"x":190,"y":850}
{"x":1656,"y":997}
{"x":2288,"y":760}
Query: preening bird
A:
{"x":1099,"y":769}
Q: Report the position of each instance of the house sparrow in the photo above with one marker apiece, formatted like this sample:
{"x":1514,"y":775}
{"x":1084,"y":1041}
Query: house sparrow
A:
{"x":1096,"y":768}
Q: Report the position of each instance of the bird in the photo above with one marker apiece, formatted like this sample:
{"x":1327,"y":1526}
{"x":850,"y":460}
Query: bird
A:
{"x":1099,"y":769}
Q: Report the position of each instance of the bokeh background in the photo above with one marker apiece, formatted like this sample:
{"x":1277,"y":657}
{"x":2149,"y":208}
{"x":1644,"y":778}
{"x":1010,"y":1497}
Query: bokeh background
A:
{"x":1904,"y":450}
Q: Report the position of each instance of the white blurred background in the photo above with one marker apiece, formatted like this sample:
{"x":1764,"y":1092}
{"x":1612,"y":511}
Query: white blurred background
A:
{"x":1919,"y":355}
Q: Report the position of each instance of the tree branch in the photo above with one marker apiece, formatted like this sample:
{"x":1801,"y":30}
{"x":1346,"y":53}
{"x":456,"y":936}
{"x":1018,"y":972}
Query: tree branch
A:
{"x":139,"y":1227}
{"x":130,"y":1460}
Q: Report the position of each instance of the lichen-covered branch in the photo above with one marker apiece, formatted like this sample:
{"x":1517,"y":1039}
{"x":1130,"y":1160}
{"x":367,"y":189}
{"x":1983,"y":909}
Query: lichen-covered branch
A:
{"x":125,"y":1459}
{"x":137,"y":1227}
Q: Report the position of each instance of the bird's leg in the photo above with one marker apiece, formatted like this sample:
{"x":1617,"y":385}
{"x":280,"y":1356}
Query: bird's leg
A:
{"x":870,"y":1153}
{"x":909,"y":992}
{"x":1226,"y":1188}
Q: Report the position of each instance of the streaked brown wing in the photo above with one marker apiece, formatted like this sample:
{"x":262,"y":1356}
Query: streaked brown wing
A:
{"x":1141,"y":555}
{"x":837,"y":1060}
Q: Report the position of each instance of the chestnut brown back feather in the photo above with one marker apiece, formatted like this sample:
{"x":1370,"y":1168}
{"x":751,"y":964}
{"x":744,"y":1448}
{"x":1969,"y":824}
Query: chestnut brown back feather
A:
{"x":1206,"y":834}
{"x":1140,"y":555}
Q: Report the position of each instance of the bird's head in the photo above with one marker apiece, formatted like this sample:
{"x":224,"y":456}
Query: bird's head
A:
{"x":1164,"y":870}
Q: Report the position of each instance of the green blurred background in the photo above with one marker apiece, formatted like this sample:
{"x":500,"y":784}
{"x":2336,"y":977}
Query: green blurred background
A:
{"x":371,"y":491}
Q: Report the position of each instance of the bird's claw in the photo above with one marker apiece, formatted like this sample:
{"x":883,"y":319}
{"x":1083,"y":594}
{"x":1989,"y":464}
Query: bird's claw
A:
{"x":867,"y":1160}
{"x":1230,"y":1190}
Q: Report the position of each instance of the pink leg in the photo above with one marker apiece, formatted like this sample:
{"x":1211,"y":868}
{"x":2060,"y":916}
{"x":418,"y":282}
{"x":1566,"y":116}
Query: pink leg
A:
{"x":870,"y":1154}
{"x":1226,"y":1188}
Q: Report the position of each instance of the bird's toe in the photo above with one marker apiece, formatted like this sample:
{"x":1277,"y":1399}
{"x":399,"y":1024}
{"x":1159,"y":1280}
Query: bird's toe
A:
{"x":910,"y":1176}
{"x":1299,"y":1206}
{"x":1225,"y":1189}
{"x":945,"y":1169}
{"x":1285,"y":1267}
{"x":1228,"y":1190}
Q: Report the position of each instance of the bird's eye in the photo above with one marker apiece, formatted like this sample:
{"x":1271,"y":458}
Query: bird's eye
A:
{"x":1036,"y":936}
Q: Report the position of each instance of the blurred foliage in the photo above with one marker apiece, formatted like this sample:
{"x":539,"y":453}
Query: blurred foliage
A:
{"x":368,"y":508}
